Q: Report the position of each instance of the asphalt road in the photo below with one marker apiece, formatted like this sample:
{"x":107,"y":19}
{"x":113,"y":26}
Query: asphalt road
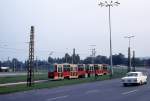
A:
{"x":109,"y":90}
{"x":98,"y":91}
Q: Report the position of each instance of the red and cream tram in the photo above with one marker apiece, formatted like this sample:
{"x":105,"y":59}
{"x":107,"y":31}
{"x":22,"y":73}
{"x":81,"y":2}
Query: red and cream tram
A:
{"x":61,"y":71}
{"x":69,"y":71}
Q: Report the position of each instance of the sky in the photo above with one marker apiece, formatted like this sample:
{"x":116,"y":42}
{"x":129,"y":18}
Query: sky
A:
{"x":61,"y":25}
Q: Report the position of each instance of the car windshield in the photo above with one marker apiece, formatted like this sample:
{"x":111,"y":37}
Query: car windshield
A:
{"x":132,"y":74}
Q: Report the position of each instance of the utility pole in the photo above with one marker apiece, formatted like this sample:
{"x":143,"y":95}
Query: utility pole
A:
{"x":8,"y":62}
{"x":109,"y":5}
{"x":93,"y":55}
{"x":14,"y":69}
{"x":21,"y":68}
{"x":36,"y":64}
{"x":129,"y":53}
{"x":133,"y":61}
{"x":30,"y":69}
{"x":73,"y":56}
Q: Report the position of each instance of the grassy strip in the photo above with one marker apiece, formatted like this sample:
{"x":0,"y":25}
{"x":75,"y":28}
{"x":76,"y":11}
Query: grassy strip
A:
{"x":21,"y":78}
{"x":51,"y":84}
{"x":119,"y":73}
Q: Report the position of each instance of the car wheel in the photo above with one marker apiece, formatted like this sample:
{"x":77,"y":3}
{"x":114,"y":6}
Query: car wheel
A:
{"x":146,"y":81}
{"x":140,"y":83}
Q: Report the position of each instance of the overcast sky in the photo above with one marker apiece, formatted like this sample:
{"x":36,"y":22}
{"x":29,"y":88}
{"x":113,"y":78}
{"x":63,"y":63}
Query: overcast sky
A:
{"x":61,"y":25}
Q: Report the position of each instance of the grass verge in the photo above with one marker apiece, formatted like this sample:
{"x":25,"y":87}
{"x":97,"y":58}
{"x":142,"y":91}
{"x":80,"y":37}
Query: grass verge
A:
{"x":21,"y":78}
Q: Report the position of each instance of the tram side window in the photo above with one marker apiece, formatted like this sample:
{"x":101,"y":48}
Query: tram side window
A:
{"x":83,"y":67}
{"x":91,"y":68}
{"x":105,"y":67}
{"x":96,"y":67}
{"x":87,"y":68}
{"x":73,"y":69}
{"x":66,"y":69}
{"x":80,"y":68}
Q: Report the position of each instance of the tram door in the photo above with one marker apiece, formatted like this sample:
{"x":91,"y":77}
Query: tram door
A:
{"x":60,"y":72}
{"x":92,"y":70}
{"x":73,"y":71}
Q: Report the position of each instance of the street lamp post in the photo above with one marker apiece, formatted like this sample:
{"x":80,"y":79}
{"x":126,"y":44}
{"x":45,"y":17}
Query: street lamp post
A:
{"x":109,"y":5}
{"x":129,"y":53}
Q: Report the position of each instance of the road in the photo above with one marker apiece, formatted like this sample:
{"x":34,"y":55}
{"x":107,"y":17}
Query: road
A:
{"x":108,"y":90}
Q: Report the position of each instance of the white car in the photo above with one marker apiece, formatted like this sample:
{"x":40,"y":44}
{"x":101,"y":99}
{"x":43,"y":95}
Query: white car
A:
{"x":134,"y":78}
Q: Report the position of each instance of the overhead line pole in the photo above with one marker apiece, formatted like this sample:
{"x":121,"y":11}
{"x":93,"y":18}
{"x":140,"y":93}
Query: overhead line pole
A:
{"x":129,"y":52}
{"x":30,"y":69}
{"x":93,"y":53}
{"x":109,"y":5}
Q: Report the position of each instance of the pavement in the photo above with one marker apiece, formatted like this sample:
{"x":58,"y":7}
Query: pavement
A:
{"x":18,"y":83}
{"x":108,"y":90}
{"x":12,"y":74}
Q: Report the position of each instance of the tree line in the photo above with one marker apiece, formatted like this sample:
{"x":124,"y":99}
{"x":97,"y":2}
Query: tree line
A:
{"x":118,"y":59}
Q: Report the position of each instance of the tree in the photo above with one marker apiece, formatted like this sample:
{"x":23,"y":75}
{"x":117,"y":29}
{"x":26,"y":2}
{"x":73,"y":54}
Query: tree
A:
{"x":138,"y":62}
{"x":50,"y":60}
{"x":147,"y":62}
{"x":67,"y":58}
{"x":101,"y":60}
{"x":76,"y":59}
{"x":15,"y":64}
{"x":97,"y":60}
{"x":87,"y":60}
{"x":118,"y":59}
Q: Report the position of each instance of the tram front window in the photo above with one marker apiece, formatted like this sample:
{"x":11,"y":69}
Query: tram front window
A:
{"x":51,"y":69}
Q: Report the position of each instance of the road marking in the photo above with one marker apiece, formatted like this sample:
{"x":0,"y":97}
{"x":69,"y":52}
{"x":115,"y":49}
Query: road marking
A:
{"x":129,"y":92}
{"x":60,"y":91}
{"x":59,"y":97}
{"x":92,"y":91}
